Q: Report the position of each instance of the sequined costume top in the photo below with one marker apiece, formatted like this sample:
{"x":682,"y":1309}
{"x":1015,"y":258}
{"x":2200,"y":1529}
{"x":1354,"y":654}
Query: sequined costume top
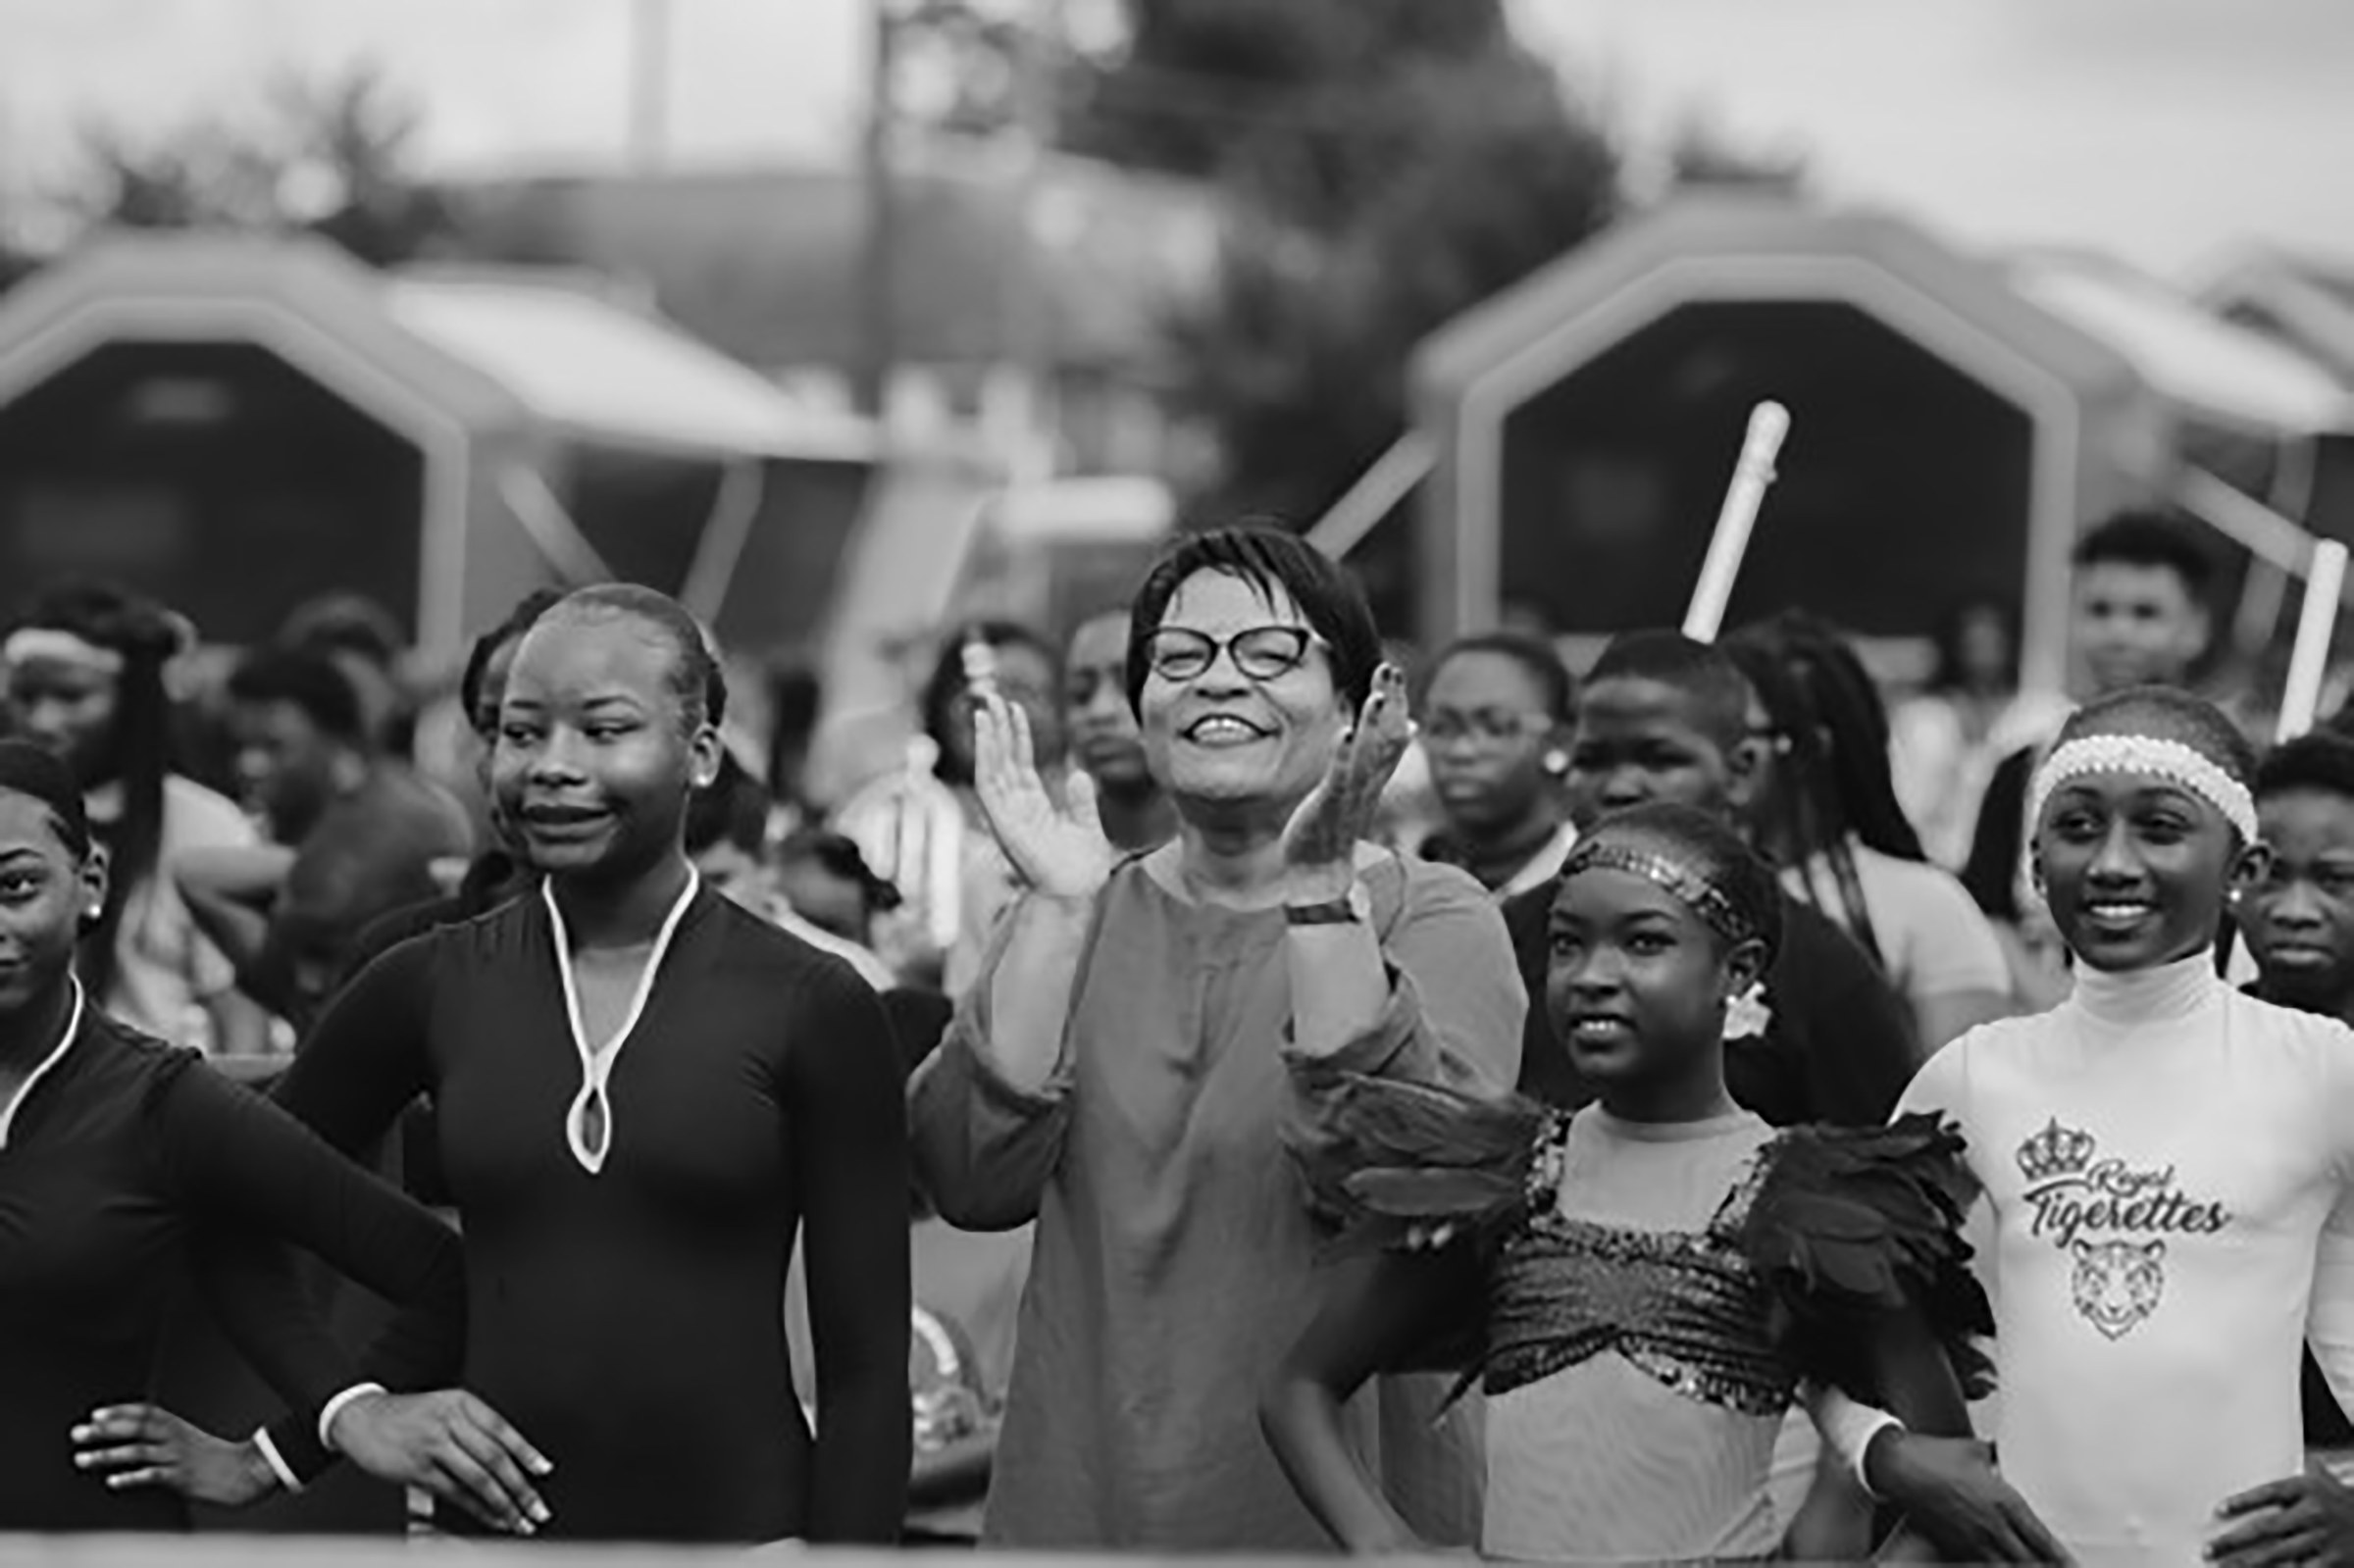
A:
{"x":1656,"y":1295}
{"x":1684,"y":1307}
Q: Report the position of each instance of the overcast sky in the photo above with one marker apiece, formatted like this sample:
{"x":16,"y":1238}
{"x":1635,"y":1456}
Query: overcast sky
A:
{"x":2167,"y":131}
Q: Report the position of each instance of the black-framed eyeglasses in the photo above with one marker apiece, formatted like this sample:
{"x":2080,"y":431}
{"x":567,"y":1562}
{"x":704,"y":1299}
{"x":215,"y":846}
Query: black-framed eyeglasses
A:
{"x":1260,"y":652}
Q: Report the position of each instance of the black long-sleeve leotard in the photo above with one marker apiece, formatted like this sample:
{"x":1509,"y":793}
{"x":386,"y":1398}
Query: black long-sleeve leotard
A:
{"x":629,"y":1320}
{"x":118,"y":1158}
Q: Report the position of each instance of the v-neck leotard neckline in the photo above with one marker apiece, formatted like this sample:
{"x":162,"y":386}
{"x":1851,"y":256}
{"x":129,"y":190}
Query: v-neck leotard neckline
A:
{"x":597,"y":1062}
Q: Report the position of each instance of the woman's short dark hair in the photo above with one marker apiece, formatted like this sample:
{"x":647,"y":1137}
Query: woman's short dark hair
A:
{"x":696,"y":678}
{"x":946,"y":680}
{"x":1267,"y":558}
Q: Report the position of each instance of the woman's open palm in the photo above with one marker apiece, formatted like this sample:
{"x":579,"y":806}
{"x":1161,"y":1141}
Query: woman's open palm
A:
{"x":1324,"y":831}
{"x":1059,"y":850}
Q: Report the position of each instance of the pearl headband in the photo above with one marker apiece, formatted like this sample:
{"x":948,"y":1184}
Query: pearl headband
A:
{"x":2170,"y":760}
{"x":54,"y":646}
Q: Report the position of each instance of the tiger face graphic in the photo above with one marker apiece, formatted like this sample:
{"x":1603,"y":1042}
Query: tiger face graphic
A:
{"x":2117,"y":1284}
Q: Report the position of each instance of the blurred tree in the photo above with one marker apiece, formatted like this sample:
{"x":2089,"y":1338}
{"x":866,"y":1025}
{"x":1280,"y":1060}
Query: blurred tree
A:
{"x":1389,"y":164}
{"x":327,"y":155}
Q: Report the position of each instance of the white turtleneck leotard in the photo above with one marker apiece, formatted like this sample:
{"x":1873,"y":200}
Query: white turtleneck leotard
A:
{"x":2167,"y":1164}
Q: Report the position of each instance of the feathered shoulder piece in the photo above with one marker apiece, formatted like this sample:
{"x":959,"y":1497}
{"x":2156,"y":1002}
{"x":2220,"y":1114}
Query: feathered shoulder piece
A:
{"x":1389,"y":1163}
{"x":1847,"y":1225}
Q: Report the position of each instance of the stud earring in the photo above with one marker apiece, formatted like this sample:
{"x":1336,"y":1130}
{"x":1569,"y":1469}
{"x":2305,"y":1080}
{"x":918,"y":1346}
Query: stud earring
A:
{"x":1556,"y":762}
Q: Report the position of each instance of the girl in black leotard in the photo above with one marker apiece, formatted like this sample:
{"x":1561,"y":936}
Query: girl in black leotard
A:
{"x":115,"y":1153}
{"x":643,"y":1091}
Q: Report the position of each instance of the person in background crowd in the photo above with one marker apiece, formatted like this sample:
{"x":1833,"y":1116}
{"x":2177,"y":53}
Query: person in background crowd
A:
{"x":1103,"y":736}
{"x":2140,"y":619}
{"x":795,"y":702}
{"x":831,"y":897}
{"x":498,"y":873}
{"x":1826,"y":811}
{"x":1651,"y":1281}
{"x":119,"y":1158}
{"x":1119,"y":1072}
{"x":727,"y":826}
{"x":1496,"y":722}
{"x":644,"y":1094}
{"x":1945,"y":742}
{"x":362,"y":638}
{"x":357,"y":835}
{"x":923,"y":829}
{"x":2298,"y":921}
{"x":1826,"y":1039}
{"x":2166,"y":1165}
{"x":84,"y":667}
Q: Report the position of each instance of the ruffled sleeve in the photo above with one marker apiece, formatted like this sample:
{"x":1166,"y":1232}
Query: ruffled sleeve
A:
{"x":1394,"y":1159}
{"x":1851,"y":1224}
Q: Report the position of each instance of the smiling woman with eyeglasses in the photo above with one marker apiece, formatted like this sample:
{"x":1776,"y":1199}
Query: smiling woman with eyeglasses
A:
{"x":1147,"y":1034}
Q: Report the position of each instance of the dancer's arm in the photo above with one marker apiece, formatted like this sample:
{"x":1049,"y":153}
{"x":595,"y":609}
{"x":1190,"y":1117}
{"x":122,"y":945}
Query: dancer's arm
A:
{"x":848,"y":1130}
{"x":1378,"y":1313}
{"x":2310,"y":1517}
{"x":362,"y":1065}
{"x":1929,"y":1463}
{"x":252,"y":1178}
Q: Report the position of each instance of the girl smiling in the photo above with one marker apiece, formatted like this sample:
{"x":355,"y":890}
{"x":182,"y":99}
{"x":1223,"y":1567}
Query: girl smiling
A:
{"x":2165,"y":1163}
{"x":1654,"y":1277}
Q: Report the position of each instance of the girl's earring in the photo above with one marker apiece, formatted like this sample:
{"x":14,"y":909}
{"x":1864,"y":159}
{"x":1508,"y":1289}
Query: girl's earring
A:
{"x":1556,"y":763}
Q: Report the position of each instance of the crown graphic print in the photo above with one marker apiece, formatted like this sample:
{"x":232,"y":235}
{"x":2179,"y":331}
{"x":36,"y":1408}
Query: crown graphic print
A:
{"x":2114,"y":1217}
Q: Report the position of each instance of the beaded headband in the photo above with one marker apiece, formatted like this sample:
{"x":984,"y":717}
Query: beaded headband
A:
{"x":2170,"y":760}
{"x":1686,"y":883}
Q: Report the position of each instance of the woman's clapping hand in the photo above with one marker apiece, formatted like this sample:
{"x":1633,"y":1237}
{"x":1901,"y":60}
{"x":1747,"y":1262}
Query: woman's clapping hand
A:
{"x":1059,"y":850}
{"x":1321,"y":841}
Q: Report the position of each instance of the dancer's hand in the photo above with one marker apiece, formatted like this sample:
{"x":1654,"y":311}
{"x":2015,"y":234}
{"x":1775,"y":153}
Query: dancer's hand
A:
{"x":1319,"y":843}
{"x":147,"y":1446}
{"x":2304,"y":1519}
{"x":1059,"y":850}
{"x":1953,"y":1495}
{"x":452,"y":1444}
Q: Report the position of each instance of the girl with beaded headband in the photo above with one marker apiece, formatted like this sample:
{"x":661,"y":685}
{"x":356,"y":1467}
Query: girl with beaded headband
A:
{"x":2166,"y":1167}
{"x":1646,"y":1285}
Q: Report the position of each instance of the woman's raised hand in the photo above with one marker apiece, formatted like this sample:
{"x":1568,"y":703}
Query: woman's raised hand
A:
{"x":1321,"y":841}
{"x":1059,"y":850}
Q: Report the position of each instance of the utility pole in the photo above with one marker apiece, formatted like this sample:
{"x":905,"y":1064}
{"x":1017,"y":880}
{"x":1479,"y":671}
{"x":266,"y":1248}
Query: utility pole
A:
{"x":878,"y":276}
{"x":1028,"y":311}
{"x":649,"y":83}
